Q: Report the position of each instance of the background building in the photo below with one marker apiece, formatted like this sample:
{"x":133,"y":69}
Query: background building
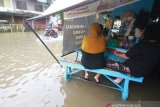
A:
{"x":13,"y":12}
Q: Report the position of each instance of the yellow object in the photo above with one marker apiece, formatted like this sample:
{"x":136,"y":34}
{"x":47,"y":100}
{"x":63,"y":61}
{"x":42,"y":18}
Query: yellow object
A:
{"x":109,"y":24}
{"x":95,"y":42}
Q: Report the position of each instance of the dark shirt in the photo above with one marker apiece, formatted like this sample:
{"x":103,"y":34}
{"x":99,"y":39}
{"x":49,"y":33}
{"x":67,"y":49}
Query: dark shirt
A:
{"x":143,"y":58}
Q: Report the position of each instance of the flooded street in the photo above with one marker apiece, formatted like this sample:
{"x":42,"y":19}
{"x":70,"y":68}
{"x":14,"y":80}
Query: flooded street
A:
{"x":30,"y":77}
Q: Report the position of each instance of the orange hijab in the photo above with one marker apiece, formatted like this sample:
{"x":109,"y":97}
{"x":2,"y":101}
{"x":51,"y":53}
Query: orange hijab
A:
{"x":95,"y":42}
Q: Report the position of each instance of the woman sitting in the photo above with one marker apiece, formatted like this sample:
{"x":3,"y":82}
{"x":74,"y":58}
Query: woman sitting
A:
{"x":143,"y":57}
{"x":93,"y":48}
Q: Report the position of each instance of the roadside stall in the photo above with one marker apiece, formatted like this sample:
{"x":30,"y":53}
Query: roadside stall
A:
{"x":111,"y":14}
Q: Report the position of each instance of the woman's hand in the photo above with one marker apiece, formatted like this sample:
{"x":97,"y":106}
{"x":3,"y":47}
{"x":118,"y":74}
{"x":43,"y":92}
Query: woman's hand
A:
{"x":116,"y":53}
{"x":122,"y":55}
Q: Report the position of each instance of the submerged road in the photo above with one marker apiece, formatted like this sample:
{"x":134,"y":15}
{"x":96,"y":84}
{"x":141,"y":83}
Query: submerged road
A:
{"x":30,"y":77}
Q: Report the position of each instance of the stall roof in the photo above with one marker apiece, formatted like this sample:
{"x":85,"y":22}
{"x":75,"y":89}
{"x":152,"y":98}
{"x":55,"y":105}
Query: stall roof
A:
{"x":61,"y":5}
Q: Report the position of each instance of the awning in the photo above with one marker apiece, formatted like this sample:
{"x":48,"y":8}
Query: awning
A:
{"x":61,"y":5}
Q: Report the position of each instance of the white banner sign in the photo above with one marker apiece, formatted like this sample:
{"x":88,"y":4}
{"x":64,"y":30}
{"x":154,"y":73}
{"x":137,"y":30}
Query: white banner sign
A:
{"x":95,"y":7}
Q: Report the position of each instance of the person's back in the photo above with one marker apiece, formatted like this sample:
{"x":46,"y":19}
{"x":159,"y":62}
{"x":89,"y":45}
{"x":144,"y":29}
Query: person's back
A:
{"x":95,"y":41}
{"x":93,"y":48}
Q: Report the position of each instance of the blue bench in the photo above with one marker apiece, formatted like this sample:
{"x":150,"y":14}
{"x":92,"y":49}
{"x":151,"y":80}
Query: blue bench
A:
{"x":72,"y":67}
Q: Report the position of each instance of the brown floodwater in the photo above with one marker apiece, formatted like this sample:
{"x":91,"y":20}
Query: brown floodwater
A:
{"x":30,"y":77}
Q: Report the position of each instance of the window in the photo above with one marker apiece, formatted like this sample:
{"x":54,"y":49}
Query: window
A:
{"x":1,"y":3}
{"x":38,"y":8}
{"x":21,"y":5}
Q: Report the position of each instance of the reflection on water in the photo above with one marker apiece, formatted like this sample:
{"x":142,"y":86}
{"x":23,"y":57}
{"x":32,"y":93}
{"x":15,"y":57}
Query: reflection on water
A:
{"x":29,"y":76}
